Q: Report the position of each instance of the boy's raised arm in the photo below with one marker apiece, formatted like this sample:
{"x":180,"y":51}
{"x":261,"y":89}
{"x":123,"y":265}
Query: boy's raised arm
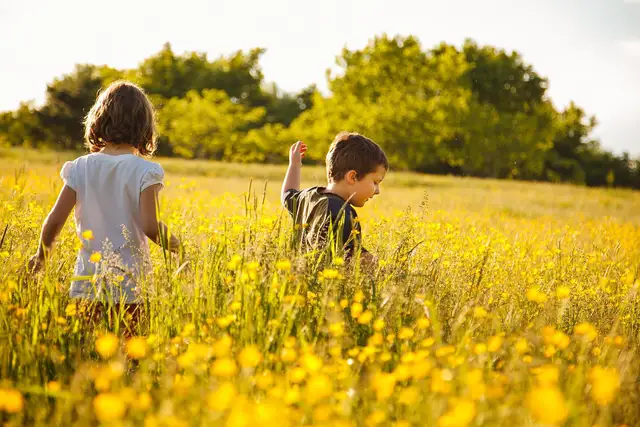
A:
{"x":292,"y":178}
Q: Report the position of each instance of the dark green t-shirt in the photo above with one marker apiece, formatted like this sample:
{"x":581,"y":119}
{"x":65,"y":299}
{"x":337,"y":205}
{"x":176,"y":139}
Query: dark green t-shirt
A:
{"x":316,"y":212}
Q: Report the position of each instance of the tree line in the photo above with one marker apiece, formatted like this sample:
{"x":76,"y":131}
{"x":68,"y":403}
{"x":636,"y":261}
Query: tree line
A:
{"x":470,"y":110}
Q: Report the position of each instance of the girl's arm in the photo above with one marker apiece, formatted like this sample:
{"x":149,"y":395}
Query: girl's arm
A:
{"x":292,"y":178}
{"x":152,"y":228}
{"x":53,"y":224}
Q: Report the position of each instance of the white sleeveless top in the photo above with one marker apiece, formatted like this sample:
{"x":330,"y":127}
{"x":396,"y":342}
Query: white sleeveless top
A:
{"x":108,"y":208}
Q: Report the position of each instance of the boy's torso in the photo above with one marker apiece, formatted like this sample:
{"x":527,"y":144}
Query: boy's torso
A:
{"x":314,"y":211}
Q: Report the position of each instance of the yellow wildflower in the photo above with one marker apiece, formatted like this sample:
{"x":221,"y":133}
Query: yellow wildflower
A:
{"x":109,"y":407}
{"x":137,"y":347}
{"x":283,"y":265}
{"x":460,"y":414}
{"x":330,"y":273}
{"x":11,"y":401}
{"x":107,"y":345}
{"x":495,"y":343}
{"x":224,"y":322}
{"x":144,"y":401}
{"x":222,"y":347}
{"x":356,"y":310}
{"x":71,"y":309}
{"x":424,"y":323}
{"x":546,"y":375}
{"x":534,"y":294}
{"x":297,"y":375}
{"x":547,"y":405}
{"x":560,"y":340}
{"x":605,"y":383}
{"x":288,"y":355}
{"x":480,"y":348}
{"x":319,"y":387}
{"x":479,"y":312}
{"x":311,"y":362}
{"x":405,"y":333}
{"x":53,"y":386}
{"x":336,"y":329}
{"x":383,"y":384}
{"x":409,"y":396}
{"x":587,"y":330}
{"x":365,"y":317}
{"x":250,"y":357}
{"x":376,"y":417}
{"x":563,"y":292}
{"x":264,"y":380}
{"x":521,"y":346}
{"x":224,"y":367}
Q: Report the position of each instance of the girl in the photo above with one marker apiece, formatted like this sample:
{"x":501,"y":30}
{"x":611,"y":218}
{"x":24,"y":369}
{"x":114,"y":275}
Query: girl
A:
{"x":114,"y":191}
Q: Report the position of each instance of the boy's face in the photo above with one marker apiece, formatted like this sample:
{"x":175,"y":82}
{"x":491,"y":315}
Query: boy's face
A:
{"x":366,"y":187}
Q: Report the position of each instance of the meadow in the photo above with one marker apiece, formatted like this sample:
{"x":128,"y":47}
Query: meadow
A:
{"x":494,"y":303}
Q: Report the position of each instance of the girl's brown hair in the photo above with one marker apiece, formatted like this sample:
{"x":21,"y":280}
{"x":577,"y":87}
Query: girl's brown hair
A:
{"x":122,"y":114}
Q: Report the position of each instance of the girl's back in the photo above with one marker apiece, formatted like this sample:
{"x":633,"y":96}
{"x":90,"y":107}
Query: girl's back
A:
{"x":107,"y":210}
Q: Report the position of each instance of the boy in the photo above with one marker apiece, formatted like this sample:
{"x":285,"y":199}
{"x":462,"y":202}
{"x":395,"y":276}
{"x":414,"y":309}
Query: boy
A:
{"x":355,"y":168}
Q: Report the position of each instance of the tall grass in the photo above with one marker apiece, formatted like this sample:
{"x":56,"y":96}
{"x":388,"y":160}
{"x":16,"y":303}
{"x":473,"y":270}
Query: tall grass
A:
{"x":494,"y":303}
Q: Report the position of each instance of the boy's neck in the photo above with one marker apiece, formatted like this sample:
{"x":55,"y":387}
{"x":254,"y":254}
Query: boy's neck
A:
{"x":341,"y":189}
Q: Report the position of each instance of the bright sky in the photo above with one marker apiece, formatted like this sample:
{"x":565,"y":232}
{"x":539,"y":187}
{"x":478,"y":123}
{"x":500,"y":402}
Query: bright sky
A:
{"x":589,"y":49}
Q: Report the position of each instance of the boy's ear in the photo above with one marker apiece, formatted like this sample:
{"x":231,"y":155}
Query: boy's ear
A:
{"x":351,"y":176}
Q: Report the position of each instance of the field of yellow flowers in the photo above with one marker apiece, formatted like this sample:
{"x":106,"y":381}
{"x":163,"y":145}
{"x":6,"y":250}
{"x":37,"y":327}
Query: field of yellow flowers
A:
{"x":494,"y":303}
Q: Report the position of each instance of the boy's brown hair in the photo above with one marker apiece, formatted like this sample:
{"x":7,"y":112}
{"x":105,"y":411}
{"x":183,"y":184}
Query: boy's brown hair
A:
{"x":122,"y":114}
{"x":352,"y":151}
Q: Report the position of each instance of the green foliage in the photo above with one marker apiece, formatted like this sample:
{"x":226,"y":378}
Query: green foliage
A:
{"x":68,"y":101}
{"x":502,"y":79}
{"x":425,"y":109}
{"x":284,"y":107}
{"x":208,"y":125}
{"x":173,"y":76}
{"x":406,"y":100}
{"x":474,"y":110}
{"x":21,"y":127}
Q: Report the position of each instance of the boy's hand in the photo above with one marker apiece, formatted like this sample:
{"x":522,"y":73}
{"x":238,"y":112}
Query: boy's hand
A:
{"x":368,"y":260}
{"x":35,"y":263}
{"x":296,"y":153}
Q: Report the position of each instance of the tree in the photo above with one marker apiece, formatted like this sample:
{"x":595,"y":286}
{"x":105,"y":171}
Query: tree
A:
{"x":502,"y":79}
{"x":284,"y":107}
{"x":395,"y":93}
{"x":470,"y":110}
{"x":509,"y":125}
{"x":21,"y":127}
{"x":427,"y":109}
{"x":69,"y":99}
{"x":564,"y":162}
{"x":208,"y":125}
{"x":172,"y":76}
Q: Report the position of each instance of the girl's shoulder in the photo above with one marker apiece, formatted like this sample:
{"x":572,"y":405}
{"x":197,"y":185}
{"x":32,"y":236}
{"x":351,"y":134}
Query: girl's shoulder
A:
{"x":91,"y":161}
{"x":152,"y":173}
{"x":147,"y":162}
{"x":138,"y":162}
{"x":148,"y":166}
{"x":71,"y":169}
